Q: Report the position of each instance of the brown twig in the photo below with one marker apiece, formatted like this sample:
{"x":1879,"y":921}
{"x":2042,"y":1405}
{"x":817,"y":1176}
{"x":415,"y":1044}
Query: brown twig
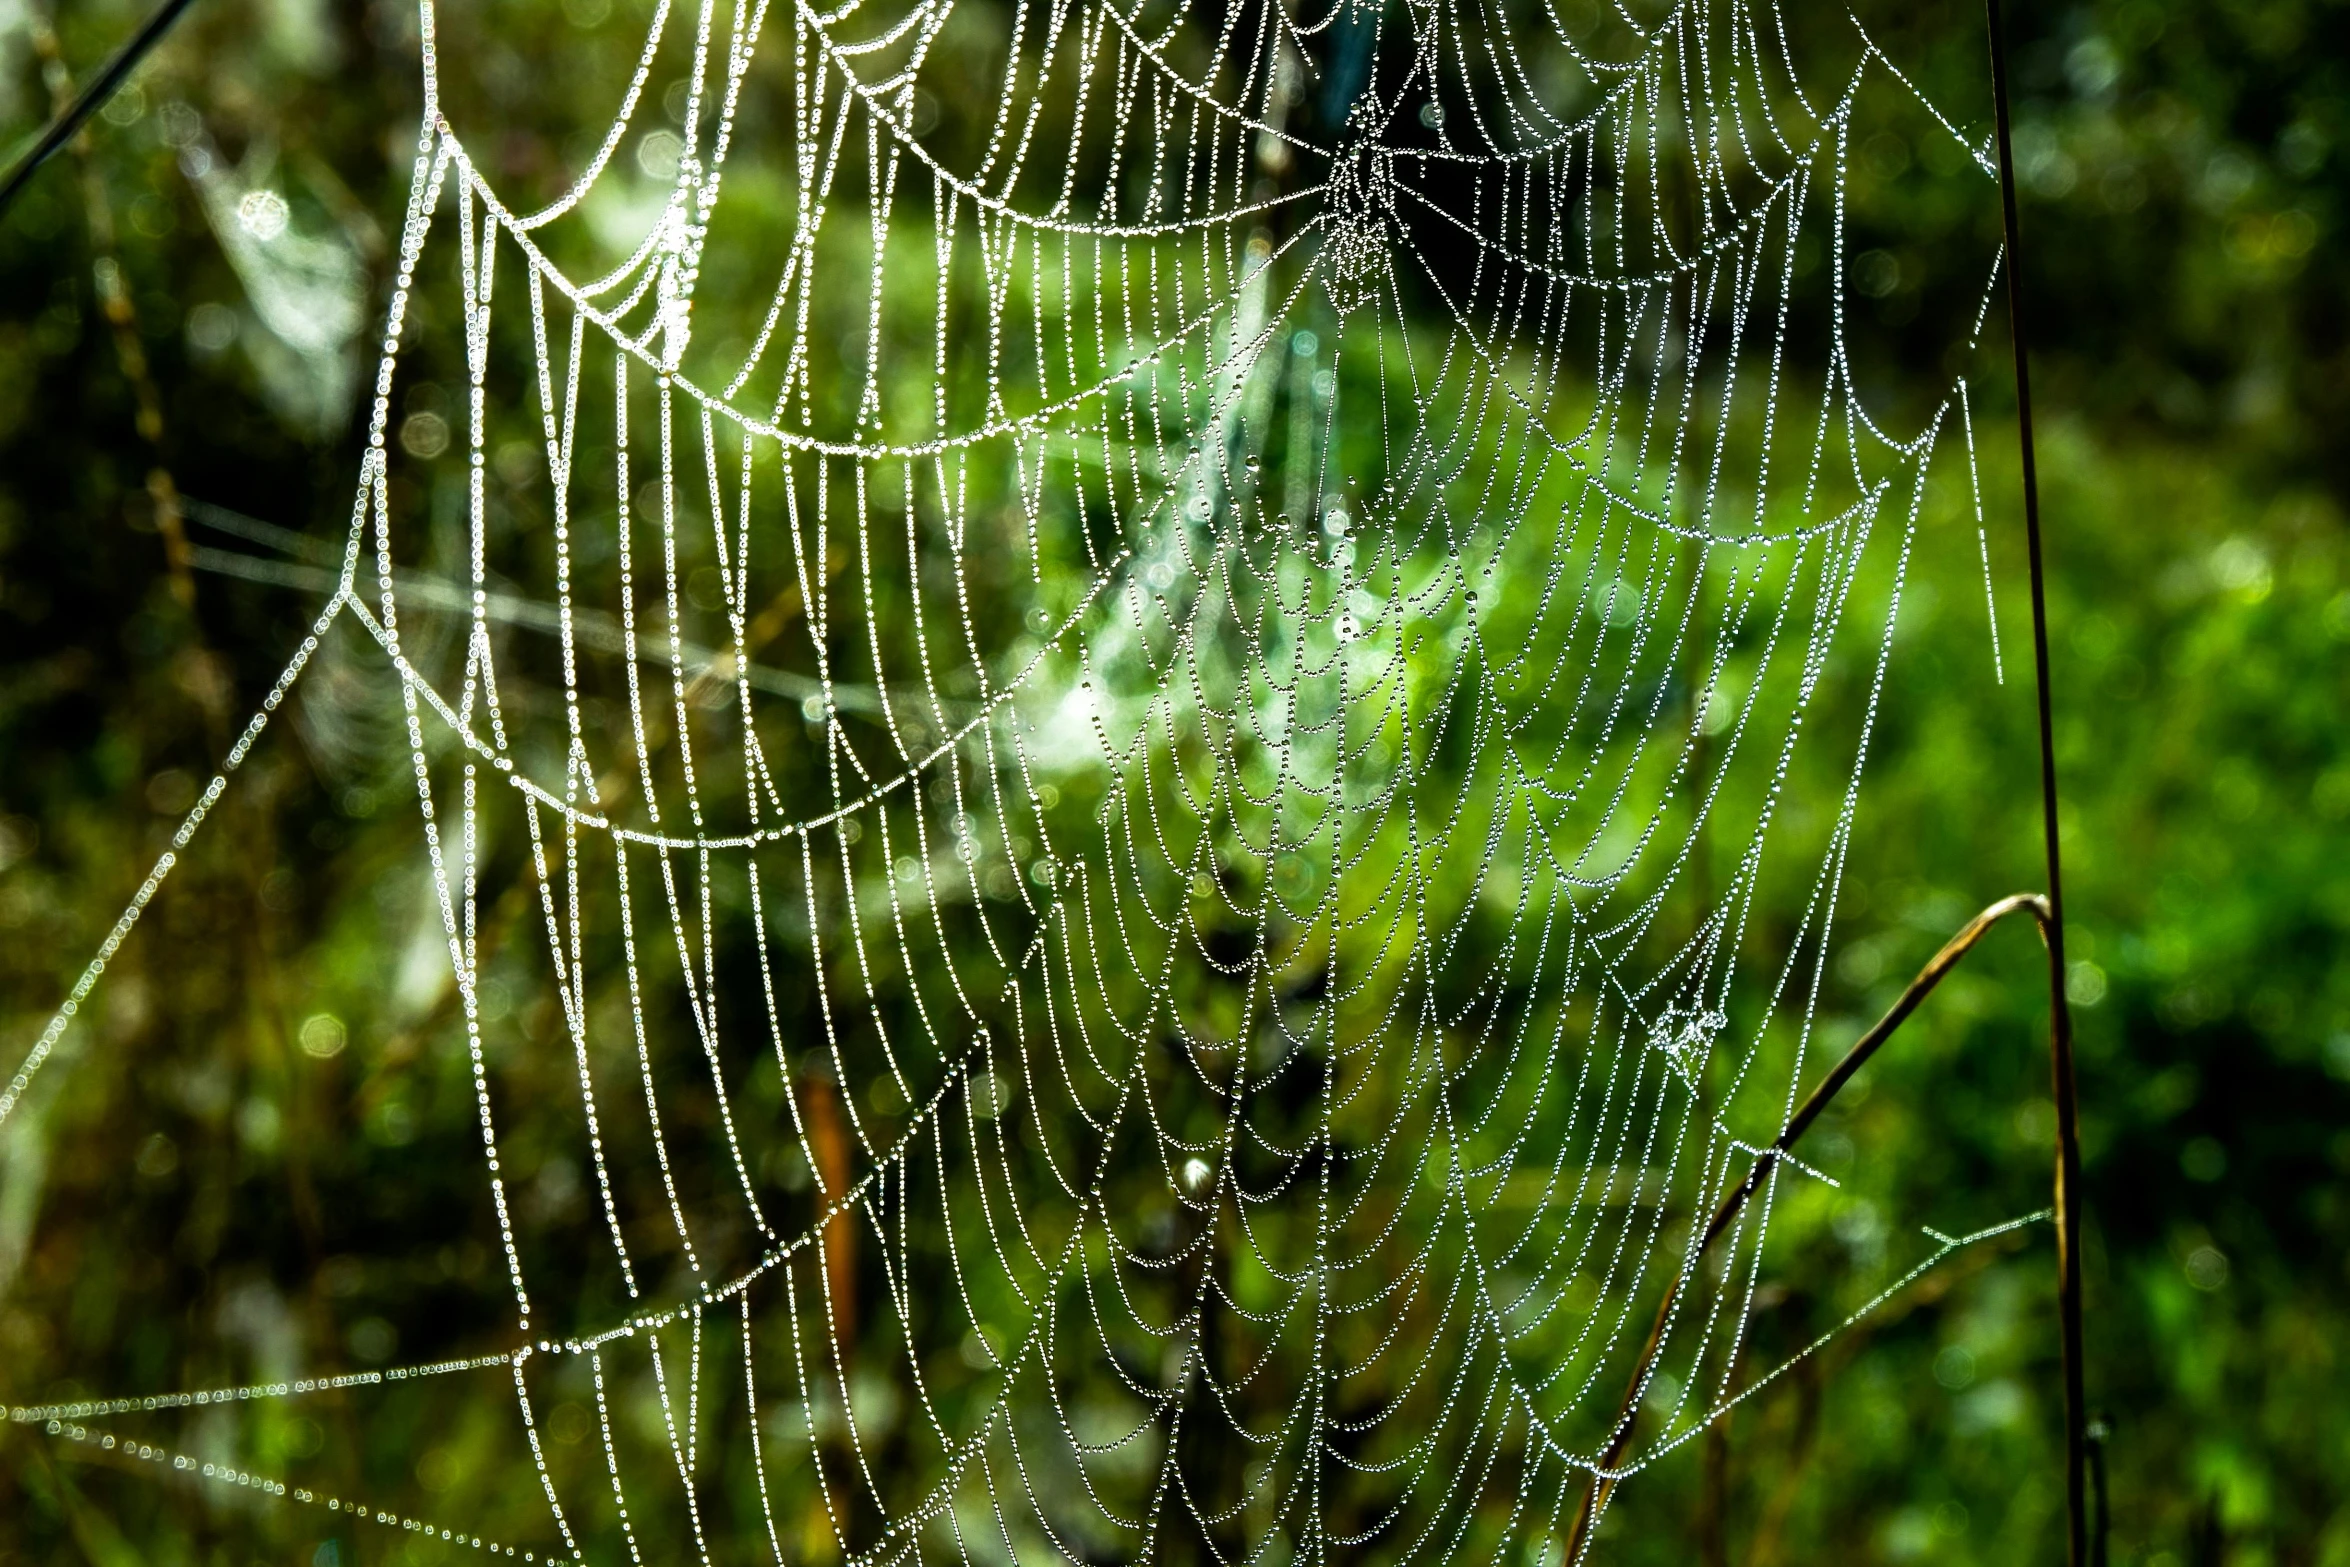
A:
{"x":1713,"y":1499}
{"x":1763,"y":1549}
{"x":830,"y":1145}
{"x":1603,"y":1482}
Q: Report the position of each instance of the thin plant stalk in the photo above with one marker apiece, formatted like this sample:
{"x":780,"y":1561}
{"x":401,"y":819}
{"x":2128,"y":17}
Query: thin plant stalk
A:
{"x":2060,"y":1021}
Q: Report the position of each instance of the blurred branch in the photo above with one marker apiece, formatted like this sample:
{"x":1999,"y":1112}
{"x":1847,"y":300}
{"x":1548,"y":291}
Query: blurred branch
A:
{"x":114,"y":299}
{"x":2100,"y":1433}
{"x":93,"y":98}
{"x":591,"y":627}
{"x":1815,"y":1372}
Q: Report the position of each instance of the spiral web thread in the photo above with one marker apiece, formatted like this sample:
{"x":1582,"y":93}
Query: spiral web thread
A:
{"x":1122,"y":778}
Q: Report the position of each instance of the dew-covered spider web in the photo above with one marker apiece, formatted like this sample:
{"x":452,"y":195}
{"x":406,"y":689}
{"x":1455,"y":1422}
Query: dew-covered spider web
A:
{"x":1169,"y":652}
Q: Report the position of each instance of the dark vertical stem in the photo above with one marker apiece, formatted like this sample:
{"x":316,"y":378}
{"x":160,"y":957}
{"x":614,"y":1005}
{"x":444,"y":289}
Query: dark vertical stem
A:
{"x":1713,"y":1498}
{"x":2060,"y":1022}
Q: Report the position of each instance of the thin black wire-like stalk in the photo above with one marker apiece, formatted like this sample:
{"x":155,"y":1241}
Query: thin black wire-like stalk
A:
{"x":92,"y":99}
{"x":2060,"y":1021}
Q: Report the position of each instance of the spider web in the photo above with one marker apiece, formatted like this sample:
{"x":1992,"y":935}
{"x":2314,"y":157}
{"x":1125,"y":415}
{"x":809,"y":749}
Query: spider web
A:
{"x":1148,"y":742}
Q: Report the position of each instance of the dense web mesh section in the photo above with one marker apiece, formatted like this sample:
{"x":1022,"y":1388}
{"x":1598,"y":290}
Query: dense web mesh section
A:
{"x":1139,"y":760}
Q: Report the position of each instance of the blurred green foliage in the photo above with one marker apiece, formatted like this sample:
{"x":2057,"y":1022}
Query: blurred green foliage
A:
{"x":2182,"y":178}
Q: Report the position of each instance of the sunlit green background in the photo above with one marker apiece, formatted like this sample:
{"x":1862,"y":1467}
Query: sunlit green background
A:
{"x":2181,"y":175}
